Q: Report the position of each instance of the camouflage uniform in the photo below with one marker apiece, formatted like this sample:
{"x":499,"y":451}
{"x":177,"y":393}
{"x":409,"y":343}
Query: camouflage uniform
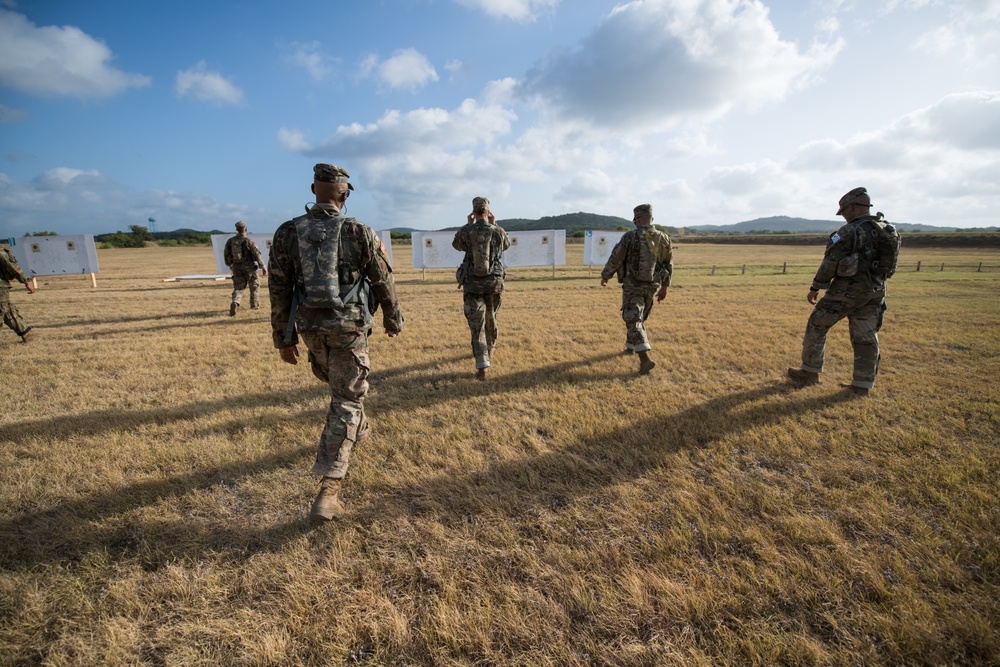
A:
{"x":244,"y":270}
{"x":9,"y":270}
{"x":627,"y":260}
{"x":337,"y":339}
{"x":482,"y":295}
{"x":860,"y":298}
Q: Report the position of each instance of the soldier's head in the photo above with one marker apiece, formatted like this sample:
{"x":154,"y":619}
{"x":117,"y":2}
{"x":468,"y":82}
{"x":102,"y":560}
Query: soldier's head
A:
{"x":642,"y":215}
{"x":480,"y":205}
{"x":241,"y":227}
{"x":331,"y":184}
{"x":854,"y":204}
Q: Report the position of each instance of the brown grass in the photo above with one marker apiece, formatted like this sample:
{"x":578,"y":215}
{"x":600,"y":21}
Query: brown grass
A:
{"x":154,"y":458}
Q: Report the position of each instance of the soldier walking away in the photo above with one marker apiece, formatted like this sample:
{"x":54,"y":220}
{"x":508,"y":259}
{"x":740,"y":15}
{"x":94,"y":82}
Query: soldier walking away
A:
{"x":327,"y":273}
{"x":9,"y":270}
{"x":643,"y":260}
{"x":242,"y":256}
{"x":481,"y":276}
{"x":859,"y":258}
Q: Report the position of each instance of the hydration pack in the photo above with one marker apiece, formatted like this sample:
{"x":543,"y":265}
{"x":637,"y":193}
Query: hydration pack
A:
{"x":654,"y":247}
{"x":319,"y":252}
{"x":882,"y":254}
{"x":481,"y":239}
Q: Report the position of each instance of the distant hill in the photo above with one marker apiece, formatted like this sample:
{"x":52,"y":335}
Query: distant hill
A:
{"x":782,"y":223}
{"x":779,"y":224}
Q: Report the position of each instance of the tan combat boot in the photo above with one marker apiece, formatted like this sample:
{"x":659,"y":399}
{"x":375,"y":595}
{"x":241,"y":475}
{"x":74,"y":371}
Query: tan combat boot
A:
{"x":803,"y":377}
{"x":645,"y":363}
{"x":481,"y":374}
{"x":232,"y":309}
{"x":327,"y":507}
{"x":27,"y":336}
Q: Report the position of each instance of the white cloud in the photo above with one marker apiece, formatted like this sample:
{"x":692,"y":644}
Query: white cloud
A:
{"x":407,"y":69}
{"x":517,"y":10}
{"x":199,"y":83}
{"x":311,"y":58}
{"x":58,"y":61}
{"x":653,"y":62}
{"x":101,"y":205}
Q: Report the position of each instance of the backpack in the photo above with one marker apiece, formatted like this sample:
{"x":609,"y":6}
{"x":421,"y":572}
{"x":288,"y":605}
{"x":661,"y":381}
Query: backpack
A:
{"x":319,"y":253}
{"x":236,"y":249}
{"x":654,"y":247}
{"x":882,"y":254}
{"x":481,"y":239}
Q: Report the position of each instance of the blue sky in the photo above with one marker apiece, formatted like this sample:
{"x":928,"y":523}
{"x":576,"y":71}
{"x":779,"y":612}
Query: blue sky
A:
{"x":716,"y":111}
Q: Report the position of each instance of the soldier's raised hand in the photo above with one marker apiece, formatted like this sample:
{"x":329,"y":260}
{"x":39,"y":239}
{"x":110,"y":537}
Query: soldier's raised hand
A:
{"x":289,"y":354}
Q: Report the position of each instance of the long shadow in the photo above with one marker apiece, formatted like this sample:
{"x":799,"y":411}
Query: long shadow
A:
{"x":60,"y":533}
{"x":554,"y":478}
{"x":106,"y":321}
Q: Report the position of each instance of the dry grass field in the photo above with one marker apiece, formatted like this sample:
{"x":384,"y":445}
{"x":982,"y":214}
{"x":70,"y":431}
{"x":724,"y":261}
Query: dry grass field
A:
{"x":154,"y":483}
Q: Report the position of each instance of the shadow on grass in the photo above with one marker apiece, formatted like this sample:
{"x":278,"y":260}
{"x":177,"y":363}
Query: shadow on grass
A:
{"x":63,"y":533}
{"x":111,"y":321}
{"x":554,"y":478}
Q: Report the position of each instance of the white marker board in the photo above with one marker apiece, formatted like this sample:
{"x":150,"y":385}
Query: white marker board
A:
{"x":597,"y":246}
{"x":263,"y":242}
{"x":433,"y":250}
{"x":56,"y":255}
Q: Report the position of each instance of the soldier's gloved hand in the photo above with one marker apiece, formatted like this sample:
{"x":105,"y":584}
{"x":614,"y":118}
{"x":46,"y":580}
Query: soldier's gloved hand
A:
{"x":812,"y":297}
{"x":289,"y":354}
{"x":662,"y":294}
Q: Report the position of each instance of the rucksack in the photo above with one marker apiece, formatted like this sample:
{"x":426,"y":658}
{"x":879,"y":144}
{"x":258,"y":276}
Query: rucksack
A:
{"x":481,"y":239}
{"x":654,"y":247}
{"x":319,"y":253}
{"x":882,"y":253}
{"x":236,"y":249}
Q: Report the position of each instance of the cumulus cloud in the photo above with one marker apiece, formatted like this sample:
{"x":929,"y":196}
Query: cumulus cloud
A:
{"x":53,"y":61}
{"x":407,"y":69}
{"x":652,"y":62}
{"x":517,"y":10}
{"x":101,"y":205}
{"x":199,"y":83}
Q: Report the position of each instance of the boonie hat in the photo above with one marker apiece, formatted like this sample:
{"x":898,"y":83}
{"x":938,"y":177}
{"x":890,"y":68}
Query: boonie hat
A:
{"x":331,"y":173}
{"x":857,"y":196}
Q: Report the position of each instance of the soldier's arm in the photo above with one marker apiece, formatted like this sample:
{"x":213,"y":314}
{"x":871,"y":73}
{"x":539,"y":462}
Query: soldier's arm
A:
{"x":379,"y":275}
{"x":504,"y":238}
{"x":615,"y":261}
{"x":458,"y":243}
{"x":840,"y":245}
{"x":259,"y":258}
{"x":281,"y":285}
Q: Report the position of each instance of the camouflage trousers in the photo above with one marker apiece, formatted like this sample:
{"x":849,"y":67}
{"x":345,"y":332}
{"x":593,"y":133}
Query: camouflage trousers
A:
{"x":481,"y":312}
{"x":243,"y":278}
{"x":11,"y":317}
{"x":636,"y":306}
{"x":340,"y":360}
{"x":864,"y":318}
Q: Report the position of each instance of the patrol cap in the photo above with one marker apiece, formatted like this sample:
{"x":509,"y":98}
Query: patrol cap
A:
{"x":240,"y":225}
{"x":857,"y":197}
{"x":642,"y":208}
{"x":331,"y":173}
{"x":480,"y":201}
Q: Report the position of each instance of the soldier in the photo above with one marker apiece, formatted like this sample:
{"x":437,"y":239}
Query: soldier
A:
{"x":855,"y":289}
{"x":243,"y":257}
{"x":9,"y":270}
{"x":643,"y":260}
{"x":481,"y":276}
{"x":324,"y":268}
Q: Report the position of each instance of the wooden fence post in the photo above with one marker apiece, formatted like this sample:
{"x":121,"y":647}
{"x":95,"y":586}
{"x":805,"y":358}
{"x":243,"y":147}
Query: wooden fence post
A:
{"x":744,"y":269}
{"x":942,"y":266}
{"x":784,"y":267}
{"x":713,"y":269}
{"x":980,"y":269}
{"x":918,"y":266}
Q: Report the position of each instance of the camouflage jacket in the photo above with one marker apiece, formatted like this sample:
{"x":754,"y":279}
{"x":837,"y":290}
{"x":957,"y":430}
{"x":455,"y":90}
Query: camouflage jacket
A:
{"x":361,"y":255}
{"x":250,"y":257}
{"x":842,"y":244}
{"x":9,"y":269}
{"x":627,"y":257}
{"x":493,"y":283}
